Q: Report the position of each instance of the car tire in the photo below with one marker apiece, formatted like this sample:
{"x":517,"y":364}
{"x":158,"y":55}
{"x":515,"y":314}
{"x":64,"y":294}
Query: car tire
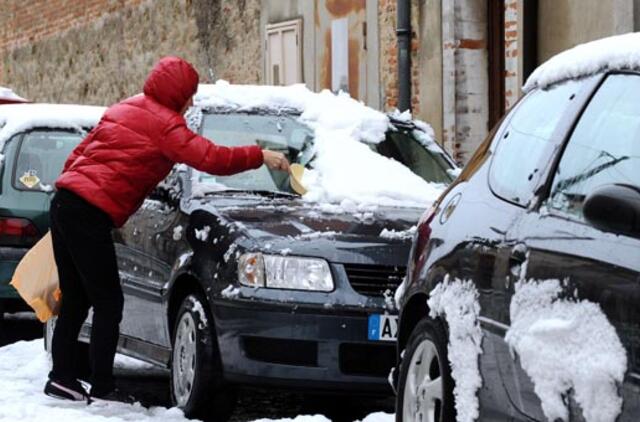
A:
{"x":197,"y":386}
{"x":433,"y":401}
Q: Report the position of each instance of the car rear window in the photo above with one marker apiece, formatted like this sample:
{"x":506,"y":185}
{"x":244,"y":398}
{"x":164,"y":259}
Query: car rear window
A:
{"x":40,"y":158}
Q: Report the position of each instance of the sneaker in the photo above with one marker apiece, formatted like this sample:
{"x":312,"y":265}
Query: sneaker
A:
{"x":114,"y":395}
{"x":66,"y":391}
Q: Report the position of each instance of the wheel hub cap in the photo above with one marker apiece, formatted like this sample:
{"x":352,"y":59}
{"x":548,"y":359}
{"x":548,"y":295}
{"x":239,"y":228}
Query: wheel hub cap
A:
{"x":422,"y":401}
{"x":184,"y":359}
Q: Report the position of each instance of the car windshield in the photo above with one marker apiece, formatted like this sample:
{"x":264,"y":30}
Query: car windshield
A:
{"x":41,"y":156}
{"x":276,"y":133}
{"x":286,"y":134}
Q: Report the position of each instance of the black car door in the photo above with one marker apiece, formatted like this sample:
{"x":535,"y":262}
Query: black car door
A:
{"x":591,"y":264}
{"x":146,"y":248}
{"x":520,"y":155}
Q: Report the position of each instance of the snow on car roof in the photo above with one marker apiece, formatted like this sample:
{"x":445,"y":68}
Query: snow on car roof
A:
{"x":9,"y":95}
{"x":346,"y":169}
{"x":15,"y":118}
{"x":620,"y":52}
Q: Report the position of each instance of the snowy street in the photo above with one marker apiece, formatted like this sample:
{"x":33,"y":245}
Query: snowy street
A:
{"x":20,"y":336}
{"x":20,"y":377}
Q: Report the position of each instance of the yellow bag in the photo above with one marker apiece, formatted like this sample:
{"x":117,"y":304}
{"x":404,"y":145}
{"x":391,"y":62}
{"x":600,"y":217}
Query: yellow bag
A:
{"x":36,"y":279}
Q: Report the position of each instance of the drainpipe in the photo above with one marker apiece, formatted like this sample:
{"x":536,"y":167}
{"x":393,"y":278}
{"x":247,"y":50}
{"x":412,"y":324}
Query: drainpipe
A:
{"x":404,"y":56}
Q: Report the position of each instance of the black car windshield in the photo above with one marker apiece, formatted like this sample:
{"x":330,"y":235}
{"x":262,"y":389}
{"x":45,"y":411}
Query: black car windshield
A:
{"x":41,"y":156}
{"x":276,"y":133}
{"x":286,"y":134}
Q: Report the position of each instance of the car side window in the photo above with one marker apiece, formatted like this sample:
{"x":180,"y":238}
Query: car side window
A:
{"x":524,"y":141}
{"x":604,"y":148}
{"x":403,"y":147}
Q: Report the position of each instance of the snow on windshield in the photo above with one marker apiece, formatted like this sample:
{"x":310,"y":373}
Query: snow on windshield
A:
{"x":612,"y":53}
{"x":20,"y":117}
{"x":346,"y":169}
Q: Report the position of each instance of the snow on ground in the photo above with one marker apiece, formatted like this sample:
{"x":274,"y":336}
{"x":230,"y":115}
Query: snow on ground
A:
{"x":374,"y":417}
{"x":379,"y":417}
{"x":24,"y":367}
{"x":612,"y":53}
{"x":15,"y":118}
{"x":457,"y":301}
{"x":554,"y":339}
{"x":315,"y":418}
{"x":345,"y":167}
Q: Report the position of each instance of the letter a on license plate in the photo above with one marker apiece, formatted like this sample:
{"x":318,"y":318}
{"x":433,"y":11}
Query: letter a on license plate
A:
{"x":383,"y":327}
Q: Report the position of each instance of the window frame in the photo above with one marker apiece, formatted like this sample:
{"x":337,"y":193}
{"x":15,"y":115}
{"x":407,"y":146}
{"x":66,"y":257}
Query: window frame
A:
{"x":545,"y":190}
{"x":555,"y":144}
{"x":20,"y":137}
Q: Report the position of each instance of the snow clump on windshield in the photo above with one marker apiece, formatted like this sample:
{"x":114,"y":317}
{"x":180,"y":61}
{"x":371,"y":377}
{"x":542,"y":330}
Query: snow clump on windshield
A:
{"x":345,"y":167}
{"x":457,"y":301}
{"x":565,"y":345}
{"x":613,"y":53}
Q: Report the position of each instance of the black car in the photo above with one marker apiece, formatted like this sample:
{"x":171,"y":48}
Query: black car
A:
{"x":550,"y":200}
{"x":238,"y":281}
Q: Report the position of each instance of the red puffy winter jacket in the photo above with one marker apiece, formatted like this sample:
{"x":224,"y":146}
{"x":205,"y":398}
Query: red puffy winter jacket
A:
{"x":138,"y":141}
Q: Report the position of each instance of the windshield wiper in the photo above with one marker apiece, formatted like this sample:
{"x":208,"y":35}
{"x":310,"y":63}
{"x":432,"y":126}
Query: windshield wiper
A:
{"x":581,"y":177}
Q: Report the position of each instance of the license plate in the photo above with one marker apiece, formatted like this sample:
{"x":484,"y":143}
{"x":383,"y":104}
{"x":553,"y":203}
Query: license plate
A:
{"x":383,"y":327}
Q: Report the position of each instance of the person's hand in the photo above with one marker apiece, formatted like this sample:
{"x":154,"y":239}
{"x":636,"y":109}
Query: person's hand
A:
{"x":275,"y":160}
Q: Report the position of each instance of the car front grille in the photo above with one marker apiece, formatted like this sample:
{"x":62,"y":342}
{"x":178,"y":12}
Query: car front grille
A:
{"x":374,"y":280}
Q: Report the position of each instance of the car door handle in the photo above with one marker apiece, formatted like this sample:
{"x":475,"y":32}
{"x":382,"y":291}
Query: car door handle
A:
{"x":517,"y":262}
{"x":519,"y":253}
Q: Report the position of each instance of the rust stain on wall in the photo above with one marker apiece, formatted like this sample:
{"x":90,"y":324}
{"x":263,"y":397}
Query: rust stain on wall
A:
{"x":325,"y":71}
{"x":316,"y":13}
{"x":340,"y":8}
{"x":471,"y":44}
{"x":354,"y":67}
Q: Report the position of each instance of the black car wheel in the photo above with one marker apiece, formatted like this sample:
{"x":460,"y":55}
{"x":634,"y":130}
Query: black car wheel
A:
{"x":196,"y":376}
{"x":425,"y":392}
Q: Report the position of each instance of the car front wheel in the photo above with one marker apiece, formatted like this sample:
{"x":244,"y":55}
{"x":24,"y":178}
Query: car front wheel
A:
{"x":196,"y":377}
{"x":425,"y":385}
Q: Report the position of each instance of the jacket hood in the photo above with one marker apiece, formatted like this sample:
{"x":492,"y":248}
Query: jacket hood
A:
{"x":171,"y":82}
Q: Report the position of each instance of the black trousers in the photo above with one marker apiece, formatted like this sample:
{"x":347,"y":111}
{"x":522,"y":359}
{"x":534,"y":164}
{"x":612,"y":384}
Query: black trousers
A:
{"x":86,"y":260}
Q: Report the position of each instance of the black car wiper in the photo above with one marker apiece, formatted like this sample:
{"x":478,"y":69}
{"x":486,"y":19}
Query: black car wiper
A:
{"x":581,"y":177}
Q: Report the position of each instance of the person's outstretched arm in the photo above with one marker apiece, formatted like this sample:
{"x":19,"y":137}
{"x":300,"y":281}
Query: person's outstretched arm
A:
{"x":181,"y":145}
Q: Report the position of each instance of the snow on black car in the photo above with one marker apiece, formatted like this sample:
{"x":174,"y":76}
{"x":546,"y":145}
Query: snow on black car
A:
{"x":237,"y":280}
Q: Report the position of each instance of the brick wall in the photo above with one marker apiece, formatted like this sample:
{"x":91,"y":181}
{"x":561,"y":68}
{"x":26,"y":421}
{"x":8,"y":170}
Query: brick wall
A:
{"x":99,"y":51}
{"x":387,"y":20}
{"x":511,"y":80}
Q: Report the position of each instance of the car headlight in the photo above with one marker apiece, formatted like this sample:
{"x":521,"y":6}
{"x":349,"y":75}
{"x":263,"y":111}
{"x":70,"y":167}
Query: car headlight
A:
{"x":284,"y":272}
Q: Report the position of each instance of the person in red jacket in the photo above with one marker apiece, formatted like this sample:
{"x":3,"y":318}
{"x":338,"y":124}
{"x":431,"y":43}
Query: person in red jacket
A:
{"x":105,"y":180}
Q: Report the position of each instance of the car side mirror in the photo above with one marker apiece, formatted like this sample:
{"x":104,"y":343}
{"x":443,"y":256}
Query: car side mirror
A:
{"x":614,"y":208}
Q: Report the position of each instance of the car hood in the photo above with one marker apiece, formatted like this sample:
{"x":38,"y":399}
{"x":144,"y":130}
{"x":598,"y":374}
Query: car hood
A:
{"x":359,"y":235}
